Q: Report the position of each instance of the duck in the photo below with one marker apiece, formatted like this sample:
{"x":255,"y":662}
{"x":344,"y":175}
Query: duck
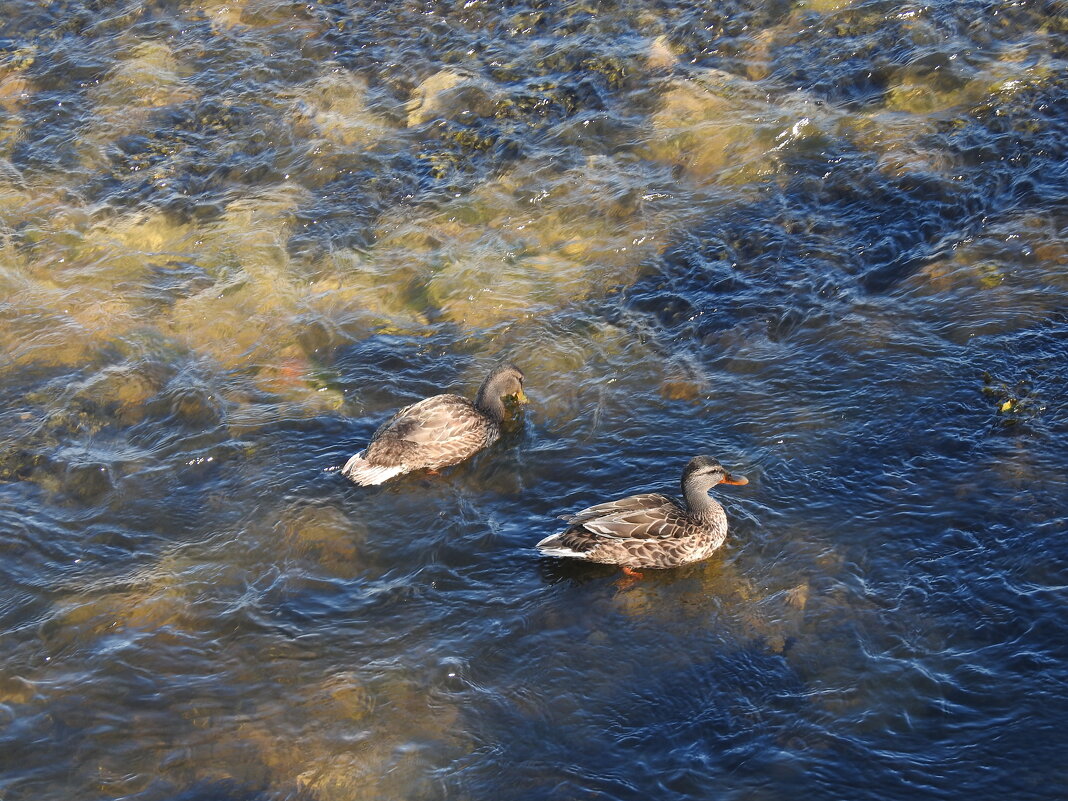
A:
{"x":437,"y":432}
{"x":650,"y":530}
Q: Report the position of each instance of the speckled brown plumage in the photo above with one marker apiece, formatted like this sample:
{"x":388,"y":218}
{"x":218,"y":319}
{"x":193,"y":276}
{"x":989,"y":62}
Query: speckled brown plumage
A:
{"x":432,"y":433}
{"x":436,"y":432}
{"x":650,"y":530}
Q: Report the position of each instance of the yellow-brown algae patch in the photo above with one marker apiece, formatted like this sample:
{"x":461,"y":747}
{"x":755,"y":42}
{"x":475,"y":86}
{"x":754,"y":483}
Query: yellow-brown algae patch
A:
{"x":346,"y":737}
{"x":680,"y":388}
{"x":156,"y":598}
{"x":15,"y":90}
{"x":797,"y":597}
{"x":325,"y":536}
{"x":335,"y":106}
{"x":120,"y":390}
{"x":898,"y":139}
{"x":760,"y":54}
{"x":1054,"y":252}
{"x":252,"y":313}
{"x":824,"y":6}
{"x":226,"y":15}
{"x":149,"y":233}
{"x":288,"y":377}
{"x":223,"y":14}
{"x":256,"y":229}
{"x":566,"y":367}
{"x":478,"y":292}
{"x":148,"y":78}
{"x":42,"y":212}
{"x":718,"y":125}
{"x":16,"y":690}
{"x":122,"y":249}
{"x":356,"y":292}
{"x":686,"y":102}
{"x":11,"y":131}
{"x":51,"y":231}
{"x":930,"y":92}
{"x":236,"y":326}
{"x":527,"y":243}
{"x":60,"y":344}
{"x":52,"y":325}
{"x":712,"y":122}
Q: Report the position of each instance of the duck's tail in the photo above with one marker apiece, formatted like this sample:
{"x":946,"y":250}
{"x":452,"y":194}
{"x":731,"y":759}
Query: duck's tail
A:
{"x":553,"y":546}
{"x":360,"y":471}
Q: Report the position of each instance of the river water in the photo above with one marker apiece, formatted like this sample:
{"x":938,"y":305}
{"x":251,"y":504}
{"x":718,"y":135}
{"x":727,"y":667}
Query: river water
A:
{"x":825,"y":242}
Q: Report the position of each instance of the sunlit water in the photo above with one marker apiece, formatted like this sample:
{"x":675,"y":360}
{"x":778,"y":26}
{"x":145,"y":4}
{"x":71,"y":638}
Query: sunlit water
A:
{"x":824,"y":242}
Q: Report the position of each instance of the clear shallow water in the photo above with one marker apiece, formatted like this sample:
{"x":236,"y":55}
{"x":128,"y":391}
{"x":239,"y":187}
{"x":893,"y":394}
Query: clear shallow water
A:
{"x":824,"y":243}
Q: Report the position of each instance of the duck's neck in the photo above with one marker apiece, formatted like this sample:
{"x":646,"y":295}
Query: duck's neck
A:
{"x":700,"y":504}
{"x":488,"y":401}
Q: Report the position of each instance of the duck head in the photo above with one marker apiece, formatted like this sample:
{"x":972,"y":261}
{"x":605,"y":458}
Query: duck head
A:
{"x":704,"y":472}
{"x":505,"y":381}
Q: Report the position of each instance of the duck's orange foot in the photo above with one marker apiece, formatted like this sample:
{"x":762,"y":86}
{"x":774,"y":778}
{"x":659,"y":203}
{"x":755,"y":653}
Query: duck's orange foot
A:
{"x":629,"y":578}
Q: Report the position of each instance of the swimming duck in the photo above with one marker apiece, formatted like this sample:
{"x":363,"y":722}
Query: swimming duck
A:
{"x":438,"y":431}
{"x":650,"y":530}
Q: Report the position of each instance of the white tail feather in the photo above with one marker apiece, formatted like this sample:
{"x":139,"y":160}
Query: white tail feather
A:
{"x":550,"y":546}
{"x":360,"y":471}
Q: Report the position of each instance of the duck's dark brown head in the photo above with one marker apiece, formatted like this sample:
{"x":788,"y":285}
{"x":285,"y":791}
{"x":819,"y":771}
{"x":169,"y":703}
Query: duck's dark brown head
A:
{"x":504,"y":381}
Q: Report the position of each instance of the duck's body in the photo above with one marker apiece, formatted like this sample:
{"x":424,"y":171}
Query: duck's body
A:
{"x":650,"y":530}
{"x":436,"y":432}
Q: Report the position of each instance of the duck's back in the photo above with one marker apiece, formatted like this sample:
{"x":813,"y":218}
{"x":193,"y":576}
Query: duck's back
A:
{"x":433,"y":433}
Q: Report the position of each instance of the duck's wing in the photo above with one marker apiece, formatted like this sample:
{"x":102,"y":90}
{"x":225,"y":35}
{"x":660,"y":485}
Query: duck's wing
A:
{"x":430,"y":431}
{"x":632,"y":503}
{"x":666,"y":520}
{"x":633,"y":524}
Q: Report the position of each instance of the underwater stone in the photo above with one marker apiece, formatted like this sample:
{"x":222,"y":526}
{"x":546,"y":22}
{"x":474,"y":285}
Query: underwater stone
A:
{"x":448,"y":93}
{"x":659,"y":55}
{"x":336,"y":104}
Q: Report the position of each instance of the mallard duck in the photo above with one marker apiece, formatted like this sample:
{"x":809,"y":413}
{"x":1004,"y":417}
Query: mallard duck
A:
{"x":650,"y":530}
{"x":437,"y":432}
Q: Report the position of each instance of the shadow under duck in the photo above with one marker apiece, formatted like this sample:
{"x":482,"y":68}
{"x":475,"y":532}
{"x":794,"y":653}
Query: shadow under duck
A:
{"x":437,"y":432}
{"x":650,"y":530}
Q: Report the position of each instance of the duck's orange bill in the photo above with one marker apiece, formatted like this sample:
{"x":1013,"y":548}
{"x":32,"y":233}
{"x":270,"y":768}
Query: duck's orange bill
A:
{"x":739,"y":480}
{"x":521,"y":396}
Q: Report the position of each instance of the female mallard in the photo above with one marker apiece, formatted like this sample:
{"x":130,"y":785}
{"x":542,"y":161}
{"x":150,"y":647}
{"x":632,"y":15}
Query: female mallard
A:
{"x":651,"y":530}
{"x":438,"y":431}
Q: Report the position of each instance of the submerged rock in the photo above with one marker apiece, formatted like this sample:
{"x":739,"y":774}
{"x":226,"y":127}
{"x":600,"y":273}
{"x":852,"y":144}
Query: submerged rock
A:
{"x":150,"y":77}
{"x":360,"y":735}
{"x":447,"y":93}
{"x":715,"y":125}
{"x":335,"y":105}
{"x":324,"y":536}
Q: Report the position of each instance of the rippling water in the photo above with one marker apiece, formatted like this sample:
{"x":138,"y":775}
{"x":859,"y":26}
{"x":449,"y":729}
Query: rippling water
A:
{"x":825,"y":242}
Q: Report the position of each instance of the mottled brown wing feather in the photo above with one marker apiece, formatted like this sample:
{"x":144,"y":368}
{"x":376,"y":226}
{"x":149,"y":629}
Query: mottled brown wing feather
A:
{"x":435,"y":432}
{"x":658,"y":523}
{"x":649,"y":500}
